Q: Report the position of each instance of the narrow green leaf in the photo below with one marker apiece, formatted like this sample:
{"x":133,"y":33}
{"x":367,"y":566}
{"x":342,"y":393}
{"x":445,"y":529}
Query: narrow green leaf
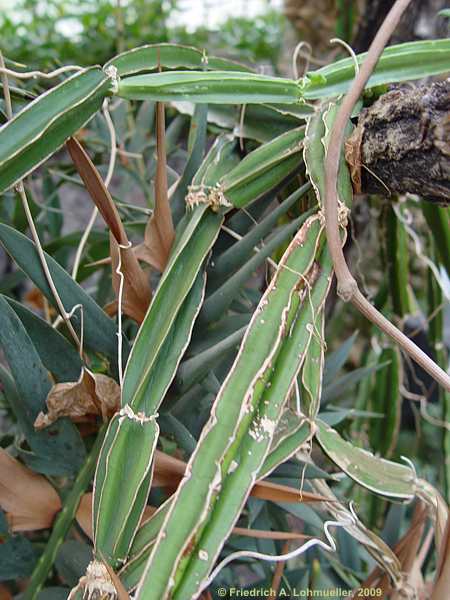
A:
{"x":218,"y":302}
{"x":197,"y":367}
{"x":346,"y":382}
{"x":99,"y":329}
{"x":54,"y":218}
{"x":387,"y":400}
{"x":227,"y":262}
{"x":55,"y":351}
{"x":58,"y":449}
{"x":260,"y":122}
{"x":337,"y":359}
{"x":437,"y":218}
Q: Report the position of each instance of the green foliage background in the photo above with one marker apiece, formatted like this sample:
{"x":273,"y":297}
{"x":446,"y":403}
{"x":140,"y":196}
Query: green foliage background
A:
{"x":31,"y":32}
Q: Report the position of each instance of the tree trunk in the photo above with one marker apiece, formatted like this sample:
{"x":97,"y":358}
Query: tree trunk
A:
{"x":402,"y":144}
{"x":418,"y":22}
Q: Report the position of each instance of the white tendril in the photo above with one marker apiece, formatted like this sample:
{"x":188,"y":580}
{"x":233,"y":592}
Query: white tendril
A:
{"x":295,"y":56}
{"x":307,"y":453}
{"x":410,"y":464}
{"x":41,"y":74}
{"x":297,"y":398}
{"x":119,"y":311}
{"x":423,"y":407}
{"x":111,"y":166}
{"x":241,"y":127}
{"x":329,"y":547}
{"x":349,"y":50}
{"x":69,"y":315}
{"x":351,"y":507}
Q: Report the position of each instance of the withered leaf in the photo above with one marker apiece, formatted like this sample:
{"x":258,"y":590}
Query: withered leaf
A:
{"x":92,"y":394}
{"x":263,"y":534}
{"x":352,"y":151}
{"x":84,"y":514}
{"x":159,"y":232}
{"x":97,"y":189}
{"x":84,"y":519}
{"x":442,"y":583}
{"x":136,"y":288}
{"x":169,"y":472}
{"x":27,"y":498}
{"x":122,"y":593}
{"x":5,"y":594}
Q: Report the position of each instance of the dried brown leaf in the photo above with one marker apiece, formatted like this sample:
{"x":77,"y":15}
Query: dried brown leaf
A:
{"x":442,"y":583}
{"x":159,"y":232}
{"x":5,"y":594}
{"x":266,"y":490}
{"x":122,"y":593}
{"x":92,"y":394}
{"x":407,"y":550}
{"x":97,"y":190}
{"x":35,"y":298}
{"x":278,"y":574}
{"x":28,"y":499}
{"x":169,"y":471}
{"x":84,"y":514}
{"x":352,"y":151}
{"x":136,"y":289}
{"x":263,"y":534}
{"x":411,"y":552}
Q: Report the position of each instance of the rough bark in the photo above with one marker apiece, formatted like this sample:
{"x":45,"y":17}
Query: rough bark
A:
{"x":402,"y":144}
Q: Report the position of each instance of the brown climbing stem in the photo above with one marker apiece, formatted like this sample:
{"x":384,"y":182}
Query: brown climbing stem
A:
{"x":346,"y":284}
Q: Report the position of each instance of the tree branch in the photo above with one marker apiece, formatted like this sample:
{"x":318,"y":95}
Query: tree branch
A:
{"x":402,"y":144}
{"x":346,"y":284}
